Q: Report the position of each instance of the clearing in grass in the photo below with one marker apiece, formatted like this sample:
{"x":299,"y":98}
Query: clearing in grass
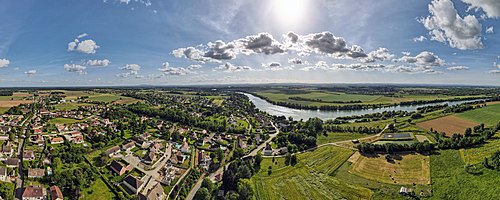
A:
{"x":62,"y":120}
{"x":450,"y":124}
{"x":338,"y":136}
{"x":309,"y":179}
{"x":406,"y":169}
{"x":97,"y":191}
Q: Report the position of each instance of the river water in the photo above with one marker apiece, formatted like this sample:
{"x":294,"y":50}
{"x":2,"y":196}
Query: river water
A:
{"x":298,"y":114}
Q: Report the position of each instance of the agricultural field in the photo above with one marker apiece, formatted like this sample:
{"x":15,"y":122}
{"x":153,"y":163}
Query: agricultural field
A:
{"x":108,"y":98}
{"x":477,"y":154}
{"x":310,"y":97}
{"x":7,"y":102}
{"x":450,"y":124}
{"x":309,"y":179}
{"x":450,"y":181}
{"x":69,"y":106}
{"x":406,"y":169}
{"x":489,"y":115}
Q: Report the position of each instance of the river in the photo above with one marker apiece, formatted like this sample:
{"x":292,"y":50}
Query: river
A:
{"x":298,"y":114}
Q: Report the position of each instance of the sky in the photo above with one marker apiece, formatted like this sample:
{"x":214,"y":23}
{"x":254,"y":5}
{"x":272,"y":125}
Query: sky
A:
{"x":189,"y":42}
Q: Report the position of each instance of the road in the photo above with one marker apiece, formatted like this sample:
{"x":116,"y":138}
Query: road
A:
{"x":221,"y":169}
{"x":20,"y":149}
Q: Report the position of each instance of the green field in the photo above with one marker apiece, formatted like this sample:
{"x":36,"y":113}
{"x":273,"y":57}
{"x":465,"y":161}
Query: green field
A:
{"x":69,"y":106}
{"x":108,"y":98}
{"x":3,"y":110}
{"x":61,"y":120}
{"x":309,"y":179}
{"x":477,"y":154}
{"x":339,"y":136}
{"x":489,"y":115}
{"x":98,"y":191}
{"x":450,"y":181}
{"x":395,"y":142}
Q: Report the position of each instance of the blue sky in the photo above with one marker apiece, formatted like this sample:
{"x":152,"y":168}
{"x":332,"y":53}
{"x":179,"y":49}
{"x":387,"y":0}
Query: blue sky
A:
{"x":120,"y":42}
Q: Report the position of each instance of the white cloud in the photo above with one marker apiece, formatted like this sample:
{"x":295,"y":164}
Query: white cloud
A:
{"x":194,"y":67}
{"x":30,"y":72}
{"x":260,"y":43}
{"x":419,"y":39}
{"x":86,"y":46}
{"x":319,"y":65}
{"x":495,"y":71}
{"x":192,"y":54}
{"x":228,"y":67}
{"x":82,"y":35}
{"x":457,"y":68}
{"x":490,"y":7}
{"x":125,"y":1}
{"x":381,"y":54}
{"x":132,"y":68}
{"x":75,"y":68}
{"x":424,"y":58}
{"x":102,"y":63}
{"x":489,"y":29}
{"x":275,"y":66}
{"x":4,"y":63}
{"x":176,"y":71}
{"x":447,"y":26}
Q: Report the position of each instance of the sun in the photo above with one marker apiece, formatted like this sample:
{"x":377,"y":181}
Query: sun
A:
{"x":289,"y":12}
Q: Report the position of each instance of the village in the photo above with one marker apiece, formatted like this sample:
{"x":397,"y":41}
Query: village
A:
{"x":134,"y":155}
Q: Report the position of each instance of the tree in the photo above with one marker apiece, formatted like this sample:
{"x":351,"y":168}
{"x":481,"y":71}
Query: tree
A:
{"x":245,"y":189}
{"x":293,"y":160}
{"x":495,"y":160}
{"x":202,"y":194}
{"x":207,"y":183}
{"x":468,"y":132}
{"x":288,"y":157}
{"x":220,"y":154}
{"x":258,"y":160}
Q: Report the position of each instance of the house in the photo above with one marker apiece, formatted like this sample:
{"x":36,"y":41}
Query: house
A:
{"x":77,"y":139}
{"x":112,"y":151}
{"x":3,"y":174}
{"x":7,"y":149}
{"x":149,"y":157}
{"x":57,"y":140}
{"x":132,"y":183}
{"x":4,"y":137}
{"x":35,"y":173}
{"x":12,"y":162}
{"x":241,"y":143}
{"x":155,"y":193}
{"x":128,"y":146}
{"x":203,"y":160}
{"x":34,"y":193}
{"x":118,"y":168}
{"x":55,"y":193}
{"x":185,"y":147}
{"x":28,"y":155}
{"x":268,"y":151}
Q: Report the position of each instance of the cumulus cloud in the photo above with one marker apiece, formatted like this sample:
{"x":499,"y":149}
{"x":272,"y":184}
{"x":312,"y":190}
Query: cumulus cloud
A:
{"x":319,"y":65}
{"x":132,"y":67}
{"x":424,"y":58}
{"x":447,"y":26}
{"x":85,"y":46}
{"x":102,"y":63}
{"x":457,"y":68}
{"x":228,"y":67}
{"x":261,"y":43}
{"x":325,"y":42}
{"x":75,"y":68}
{"x":176,"y":71}
{"x":381,"y":54}
{"x":490,"y":7}
{"x":193,"y":54}
{"x":419,"y":39}
{"x":30,"y":72}
{"x":194,"y":67}
{"x":4,"y":63}
{"x":489,"y":29}
{"x":219,"y":50}
{"x":275,"y":66}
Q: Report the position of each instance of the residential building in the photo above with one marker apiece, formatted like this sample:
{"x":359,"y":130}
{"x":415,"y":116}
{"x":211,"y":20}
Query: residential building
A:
{"x":35,"y":173}
{"x":34,"y":193}
{"x":118,"y":168}
{"x":112,"y":151}
{"x":133,"y":183}
{"x":55,"y":193}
